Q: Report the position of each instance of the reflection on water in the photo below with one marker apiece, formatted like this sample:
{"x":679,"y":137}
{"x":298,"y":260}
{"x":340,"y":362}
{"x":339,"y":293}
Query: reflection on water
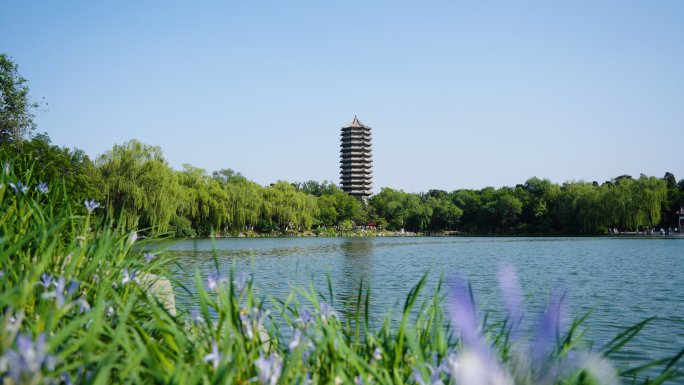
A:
{"x":627,"y":279}
{"x":356,"y":255}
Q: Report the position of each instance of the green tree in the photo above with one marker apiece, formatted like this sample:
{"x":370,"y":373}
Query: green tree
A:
{"x":288,"y":207}
{"x":245,"y":204}
{"x":445,"y":213}
{"x":16,"y":108}
{"x":81,"y":178}
{"x":227,"y":175}
{"x":202,"y":201}
{"x":327,"y":210}
{"x":418,"y":214}
{"x":670,"y":206}
{"x":470,"y":202}
{"x":138,"y":178}
{"x":392,"y":206}
{"x":671,"y":180}
{"x":503,"y":210}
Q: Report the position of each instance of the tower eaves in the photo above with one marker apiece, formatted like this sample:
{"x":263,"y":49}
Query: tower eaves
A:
{"x":356,"y":124}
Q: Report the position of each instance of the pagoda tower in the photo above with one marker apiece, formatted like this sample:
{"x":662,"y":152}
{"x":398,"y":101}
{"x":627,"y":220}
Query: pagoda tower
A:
{"x":356,"y":162}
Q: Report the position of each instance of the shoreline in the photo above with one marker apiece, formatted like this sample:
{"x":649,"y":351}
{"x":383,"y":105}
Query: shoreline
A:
{"x":397,"y":234}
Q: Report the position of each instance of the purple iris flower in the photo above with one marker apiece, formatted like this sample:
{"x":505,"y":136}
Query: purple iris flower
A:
{"x":548,"y":330}
{"x":476,"y":369}
{"x":213,"y":357}
{"x":512,"y":294}
{"x":297,"y":339}
{"x":73,"y":286}
{"x":435,"y":370}
{"x":433,"y":379}
{"x":463,"y":312}
{"x":305,"y":319}
{"x":253,"y":323}
{"x":214,"y":280}
{"x":85,"y":306}
{"x":377,"y":354}
{"x":58,"y":293}
{"x":45,"y":281}
{"x":18,"y":188}
{"x":599,"y":367}
{"x":29,"y":359}
{"x":196,"y":317}
{"x":451,"y":365}
{"x":269,"y":369}
{"x":476,"y":363}
{"x":42,"y":187}
{"x":66,"y":379}
{"x":149,"y":257}
{"x":241,"y":285}
{"x":128,"y":277}
{"x":91,"y":205}
{"x":247,"y":326}
{"x":327,"y":311}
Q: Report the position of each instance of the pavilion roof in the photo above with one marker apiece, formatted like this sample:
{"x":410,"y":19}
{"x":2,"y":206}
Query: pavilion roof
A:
{"x":356,"y":123}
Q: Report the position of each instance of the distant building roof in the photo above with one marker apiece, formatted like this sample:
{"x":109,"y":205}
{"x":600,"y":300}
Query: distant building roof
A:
{"x":356,"y":123}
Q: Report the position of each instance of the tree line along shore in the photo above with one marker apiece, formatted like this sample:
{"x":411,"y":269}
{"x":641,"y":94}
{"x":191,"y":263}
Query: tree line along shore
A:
{"x":137,"y":188}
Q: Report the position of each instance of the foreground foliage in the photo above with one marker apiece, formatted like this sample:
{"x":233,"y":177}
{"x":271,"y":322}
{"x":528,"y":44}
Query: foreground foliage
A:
{"x":76,"y":307}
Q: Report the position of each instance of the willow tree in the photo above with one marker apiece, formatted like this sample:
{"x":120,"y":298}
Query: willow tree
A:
{"x":203,"y":198}
{"x":139,"y":181}
{"x":243,"y":203}
{"x":640,"y":201}
{"x":625,"y":203}
{"x":288,"y":207}
{"x":582,"y":206}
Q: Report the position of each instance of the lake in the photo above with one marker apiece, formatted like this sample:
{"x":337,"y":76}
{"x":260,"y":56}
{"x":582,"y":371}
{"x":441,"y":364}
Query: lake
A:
{"x":626,"y":279}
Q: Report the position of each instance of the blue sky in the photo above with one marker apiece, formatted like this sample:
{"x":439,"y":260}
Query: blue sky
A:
{"x":459,"y":94}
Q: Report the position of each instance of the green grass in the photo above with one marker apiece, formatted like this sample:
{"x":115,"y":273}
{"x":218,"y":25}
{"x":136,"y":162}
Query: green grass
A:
{"x":127,"y":335}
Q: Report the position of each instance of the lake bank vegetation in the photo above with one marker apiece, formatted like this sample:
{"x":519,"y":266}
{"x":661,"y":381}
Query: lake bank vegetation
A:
{"x":77,"y":307}
{"x":136,"y":180}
